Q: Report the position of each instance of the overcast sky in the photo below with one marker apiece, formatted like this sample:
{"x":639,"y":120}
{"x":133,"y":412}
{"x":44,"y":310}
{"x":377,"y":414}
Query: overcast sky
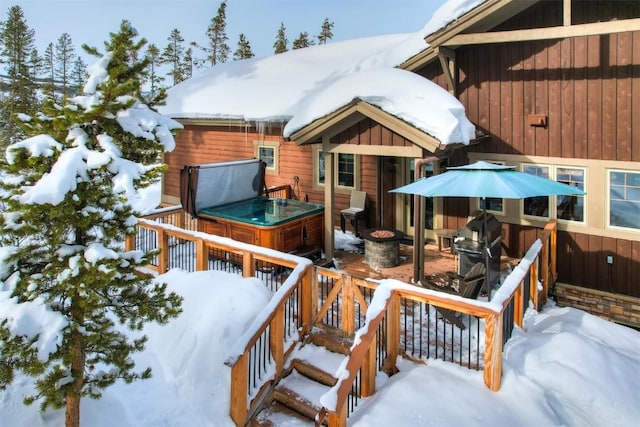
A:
{"x":91,"y":21}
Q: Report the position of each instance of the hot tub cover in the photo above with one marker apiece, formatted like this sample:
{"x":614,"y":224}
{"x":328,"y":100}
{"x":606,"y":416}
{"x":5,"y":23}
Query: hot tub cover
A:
{"x":214,"y":184}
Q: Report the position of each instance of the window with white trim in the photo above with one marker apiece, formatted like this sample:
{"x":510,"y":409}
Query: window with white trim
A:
{"x":567,"y":207}
{"x":268,"y":152}
{"x":624,"y":199}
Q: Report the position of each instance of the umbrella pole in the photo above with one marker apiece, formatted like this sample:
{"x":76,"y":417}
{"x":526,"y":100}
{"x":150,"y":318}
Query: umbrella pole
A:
{"x":487,"y":253}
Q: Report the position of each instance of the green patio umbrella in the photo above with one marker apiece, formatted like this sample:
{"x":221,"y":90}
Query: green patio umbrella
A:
{"x":483,"y":180}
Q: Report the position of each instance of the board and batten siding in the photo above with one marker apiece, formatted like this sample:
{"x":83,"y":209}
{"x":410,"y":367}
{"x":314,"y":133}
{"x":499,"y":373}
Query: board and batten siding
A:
{"x":588,"y":88}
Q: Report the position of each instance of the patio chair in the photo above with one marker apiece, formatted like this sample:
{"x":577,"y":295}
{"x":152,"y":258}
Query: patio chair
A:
{"x":469,"y":286}
{"x":356,"y":211}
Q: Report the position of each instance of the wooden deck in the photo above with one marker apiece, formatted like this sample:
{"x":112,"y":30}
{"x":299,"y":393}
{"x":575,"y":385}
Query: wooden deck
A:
{"x":436,"y":264}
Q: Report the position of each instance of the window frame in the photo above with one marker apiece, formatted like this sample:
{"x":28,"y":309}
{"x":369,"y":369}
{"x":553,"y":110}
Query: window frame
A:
{"x":608,"y":224}
{"x":273,"y":145}
{"x":553,"y":200}
{"x":317,"y":152}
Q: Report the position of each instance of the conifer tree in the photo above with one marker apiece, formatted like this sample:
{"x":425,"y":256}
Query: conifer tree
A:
{"x":61,"y":233}
{"x":302,"y":41}
{"x":17,"y":41}
{"x":48,"y":64}
{"x":78,"y":75}
{"x":280,"y":46}
{"x":218,"y":49}
{"x":188,"y":64}
{"x":64,"y":55}
{"x":151,"y":73}
{"x":173,"y":55}
{"x":244,"y":49}
{"x":325,"y":31}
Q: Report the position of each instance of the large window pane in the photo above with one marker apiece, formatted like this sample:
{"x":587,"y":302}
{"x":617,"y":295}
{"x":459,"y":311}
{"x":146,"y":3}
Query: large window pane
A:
{"x":536,"y":206}
{"x":346,"y":170}
{"x":570,"y":207}
{"x":624,"y":199}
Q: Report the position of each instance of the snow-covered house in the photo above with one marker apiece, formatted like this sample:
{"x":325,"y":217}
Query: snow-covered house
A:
{"x":549,"y":86}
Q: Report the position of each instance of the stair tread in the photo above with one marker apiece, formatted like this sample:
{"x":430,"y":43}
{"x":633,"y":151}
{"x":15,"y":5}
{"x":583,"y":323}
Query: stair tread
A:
{"x":305,"y":389}
{"x":281,"y":416}
{"x":320,"y":357}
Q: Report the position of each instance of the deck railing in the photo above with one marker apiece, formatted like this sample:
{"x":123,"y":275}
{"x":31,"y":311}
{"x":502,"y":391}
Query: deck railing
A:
{"x":390,"y":318}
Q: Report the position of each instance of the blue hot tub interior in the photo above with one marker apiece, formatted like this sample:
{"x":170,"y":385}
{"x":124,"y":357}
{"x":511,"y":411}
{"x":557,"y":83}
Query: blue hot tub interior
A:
{"x":263,"y":211}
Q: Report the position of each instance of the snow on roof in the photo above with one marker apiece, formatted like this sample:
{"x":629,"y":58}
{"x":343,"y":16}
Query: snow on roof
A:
{"x":447,"y":13}
{"x":270,"y":88}
{"x":403,"y":94}
{"x":289,"y":86}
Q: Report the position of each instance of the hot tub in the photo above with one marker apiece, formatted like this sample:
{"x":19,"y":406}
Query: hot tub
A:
{"x":282,"y":224}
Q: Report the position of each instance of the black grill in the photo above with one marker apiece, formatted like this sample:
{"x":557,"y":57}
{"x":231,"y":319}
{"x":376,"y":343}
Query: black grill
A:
{"x":470,"y":246}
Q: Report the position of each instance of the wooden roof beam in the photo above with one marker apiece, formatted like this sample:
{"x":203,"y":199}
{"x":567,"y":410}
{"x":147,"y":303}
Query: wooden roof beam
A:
{"x":598,"y":28}
{"x":448,"y":62}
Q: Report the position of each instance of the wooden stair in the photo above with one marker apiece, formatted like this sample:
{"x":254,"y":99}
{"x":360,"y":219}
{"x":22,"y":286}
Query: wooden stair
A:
{"x":296,"y":399}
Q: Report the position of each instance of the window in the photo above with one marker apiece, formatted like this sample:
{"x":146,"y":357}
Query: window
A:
{"x":568,"y":208}
{"x":624,"y":199}
{"x":536,"y":206}
{"x":268,"y":152}
{"x":346,"y":170}
{"x":493,"y":204}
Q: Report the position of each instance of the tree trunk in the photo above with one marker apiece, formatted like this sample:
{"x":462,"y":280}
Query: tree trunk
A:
{"x":72,"y":413}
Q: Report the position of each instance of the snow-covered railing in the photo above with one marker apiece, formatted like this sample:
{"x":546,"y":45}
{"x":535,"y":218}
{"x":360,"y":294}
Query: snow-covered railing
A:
{"x":384,"y":317}
{"x":259,"y":356}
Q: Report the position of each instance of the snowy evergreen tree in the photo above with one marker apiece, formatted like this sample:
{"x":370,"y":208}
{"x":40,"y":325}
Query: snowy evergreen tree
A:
{"x":66,"y":194}
{"x":17,"y":41}
{"x":244,"y":49}
{"x":280,"y":46}
{"x":173,"y":55}
{"x":218,"y":49}
{"x":302,"y":41}
{"x":325,"y":32}
{"x":64,"y":55}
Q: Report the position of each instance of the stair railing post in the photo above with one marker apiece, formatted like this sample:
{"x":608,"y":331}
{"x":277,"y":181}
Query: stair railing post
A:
{"x":308,"y":298}
{"x":347,"y":326}
{"x":392,"y":334}
{"x":239,"y":391}
{"x":163,"y":245}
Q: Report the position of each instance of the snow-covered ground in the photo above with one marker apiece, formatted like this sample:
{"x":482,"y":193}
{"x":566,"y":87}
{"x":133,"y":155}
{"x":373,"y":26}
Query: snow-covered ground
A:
{"x":568,"y":368}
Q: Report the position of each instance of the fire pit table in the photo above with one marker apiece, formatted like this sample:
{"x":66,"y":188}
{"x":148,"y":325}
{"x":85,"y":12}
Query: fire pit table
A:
{"x":381,"y":247}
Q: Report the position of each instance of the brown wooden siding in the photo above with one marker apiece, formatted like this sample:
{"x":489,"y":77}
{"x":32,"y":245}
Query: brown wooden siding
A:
{"x":207,"y":144}
{"x":581,"y":258}
{"x":589,"y":88}
{"x":369,"y":132}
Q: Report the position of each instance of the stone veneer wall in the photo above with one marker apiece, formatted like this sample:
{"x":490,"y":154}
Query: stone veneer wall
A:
{"x":614,"y":307}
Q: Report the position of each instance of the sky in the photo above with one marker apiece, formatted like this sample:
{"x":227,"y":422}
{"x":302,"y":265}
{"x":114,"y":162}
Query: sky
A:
{"x":91,"y":21}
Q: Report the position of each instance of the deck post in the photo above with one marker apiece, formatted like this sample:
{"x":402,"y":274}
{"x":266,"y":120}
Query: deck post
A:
{"x":248,"y":266}
{"x":347,"y":326}
{"x":202,"y":255}
{"x":163,"y":245}
{"x":307,"y":299}
{"x":276,"y":338}
{"x":392,"y":335}
{"x":493,"y":351}
{"x":239,"y":391}
{"x":369,"y":369}
{"x":130,"y":243}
